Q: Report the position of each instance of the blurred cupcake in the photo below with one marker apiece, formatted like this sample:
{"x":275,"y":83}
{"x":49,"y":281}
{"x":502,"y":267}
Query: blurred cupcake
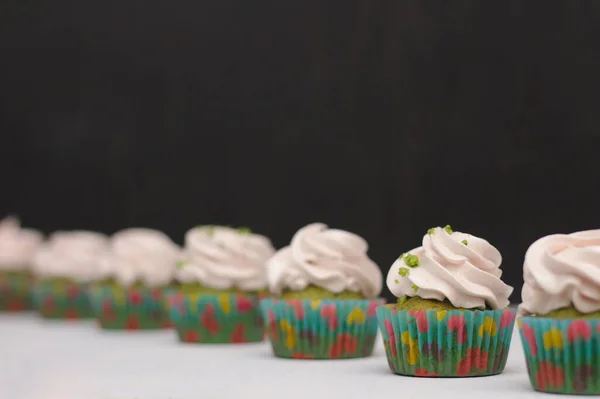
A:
{"x":326,"y":290}
{"x":17,"y":248}
{"x":221,"y":276}
{"x":136,"y":272}
{"x":451,"y":319}
{"x":64,"y":267}
{"x":560,"y":329}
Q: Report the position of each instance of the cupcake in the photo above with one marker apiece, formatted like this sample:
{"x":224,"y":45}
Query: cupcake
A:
{"x":560,"y":323}
{"x":64,"y":267}
{"x":325,"y":289}
{"x":221,"y":276}
{"x":17,"y":248}
{"x":136,"y":272}
{"x":451,"y":318}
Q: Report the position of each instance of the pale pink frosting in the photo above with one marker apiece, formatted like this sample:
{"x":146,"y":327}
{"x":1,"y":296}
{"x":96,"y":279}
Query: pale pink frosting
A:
{"x":141,"y":255}
{"x":562,"y":270}
{"x":71,"y":254}
{"x":17,"y":245}
{"x":332,"y":259}
{"x":459,"y":267}
{"x":223,"y":258}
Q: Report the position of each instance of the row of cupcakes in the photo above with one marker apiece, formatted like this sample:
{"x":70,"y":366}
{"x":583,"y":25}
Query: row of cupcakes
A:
{"x":318,"y":298}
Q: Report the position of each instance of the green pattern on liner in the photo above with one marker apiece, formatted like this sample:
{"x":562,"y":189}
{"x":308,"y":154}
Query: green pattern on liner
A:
{"x":321,"y":329}
{"x":562,"y":354}
{"x":446,"y":343}
{"x":133,"y":308}
{"x":61,"y":298}
{"x":312,"y":292}
{"x":215,"y":318}
{"x":414,"y":287}
{"x":15,"y":291}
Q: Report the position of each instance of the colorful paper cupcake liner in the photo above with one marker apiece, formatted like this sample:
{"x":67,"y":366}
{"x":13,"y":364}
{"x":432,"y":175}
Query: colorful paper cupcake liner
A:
{"x":446,"y":343}
{"x":321,"y":329}
{"x":227,"y":318}
{"x":562,"y":355}
{"x":134,"y":308}
{"x":15,"y":292}
{"x":58,"y":299}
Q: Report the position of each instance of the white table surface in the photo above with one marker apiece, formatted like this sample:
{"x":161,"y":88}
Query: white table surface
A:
{"x":42,"y":359}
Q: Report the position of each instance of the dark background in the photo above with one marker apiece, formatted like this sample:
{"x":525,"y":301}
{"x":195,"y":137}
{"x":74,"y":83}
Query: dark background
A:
{"x":381,"y":117}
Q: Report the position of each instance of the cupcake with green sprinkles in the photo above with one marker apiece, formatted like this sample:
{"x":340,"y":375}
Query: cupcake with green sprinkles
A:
{"x":220,"y":279}
{"x":325,"y":290}
{"x":451,"y":318}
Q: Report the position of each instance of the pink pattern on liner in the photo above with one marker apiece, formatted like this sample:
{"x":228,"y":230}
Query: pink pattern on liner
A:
{"x":421,"y":317}
{"x":506,"y":319}
{"x":391,"y":336}
{"x":529,"y":336}
{"x":579,"y":329}
{"x":244,"y":304}
{"x":372,"y":309}
{"x":329,"y":313}
{"x":298,"y":307}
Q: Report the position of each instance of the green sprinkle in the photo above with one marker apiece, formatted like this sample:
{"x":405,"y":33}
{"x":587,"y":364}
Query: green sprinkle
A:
{"x":244,"y":230}
{"x":431,"y":231}
{"x":414,"y":287}
{"x":180,"y":264}
{"x":448,"y":229}
{"x":403,"y":271}
{"x":402,"y":299}
{"x":396,"y":281}
{"x":411,"y":260}
{"x":209,"y":229}
{"x":465,"y":242}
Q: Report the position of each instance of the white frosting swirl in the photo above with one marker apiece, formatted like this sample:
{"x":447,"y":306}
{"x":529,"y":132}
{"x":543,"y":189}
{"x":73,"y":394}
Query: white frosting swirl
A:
{"x":141,"y":255}
{"x":71,"y":254}
{"x":17,"y":245}
{"x":562,"y":270}
{"x":335,"y":260}
{"x":467,"y":273}
{"x":224,"y":258}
